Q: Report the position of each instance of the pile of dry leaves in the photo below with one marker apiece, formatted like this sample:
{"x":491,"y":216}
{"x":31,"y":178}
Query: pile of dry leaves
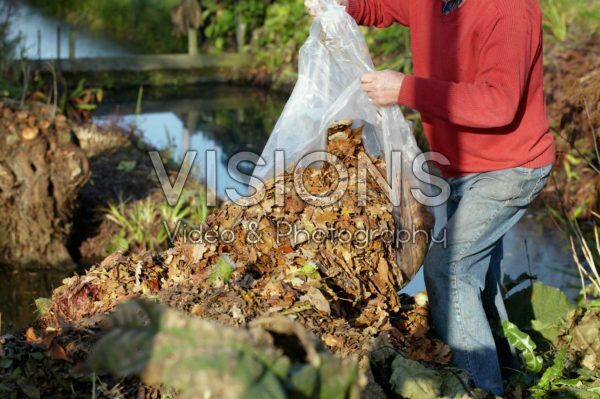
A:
{"x":263,"y":270}
{"x":344,"y":291}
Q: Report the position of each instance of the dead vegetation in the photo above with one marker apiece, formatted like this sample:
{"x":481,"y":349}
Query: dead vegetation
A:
{"x":343,"y":292}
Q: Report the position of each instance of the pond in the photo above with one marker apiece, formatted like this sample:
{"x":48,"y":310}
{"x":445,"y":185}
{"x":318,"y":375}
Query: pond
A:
{"x":229,"y":119}
{"x":220,"y":118}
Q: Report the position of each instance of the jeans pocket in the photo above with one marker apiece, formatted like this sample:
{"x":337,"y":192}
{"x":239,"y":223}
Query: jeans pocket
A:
{"x":499,"y":186}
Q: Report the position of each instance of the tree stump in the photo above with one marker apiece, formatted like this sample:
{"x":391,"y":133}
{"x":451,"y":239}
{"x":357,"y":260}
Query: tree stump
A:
{"x":42,"y":170}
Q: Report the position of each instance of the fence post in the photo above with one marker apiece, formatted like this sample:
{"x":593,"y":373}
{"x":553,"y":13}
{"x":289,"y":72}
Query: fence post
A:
{"x":71,"y":44}
{"x":240,"y":32}
{"x":39,"y":42}
{"x":192,"y":41}
{"x":58,"y":33}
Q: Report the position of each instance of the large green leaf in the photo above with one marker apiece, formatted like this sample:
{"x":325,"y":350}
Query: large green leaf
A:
{"x":524,"y":344}
{"x":199,"y":357}
{"x":540,"y":302}
{"x":548,"y":306}
{"x":543,"y":333}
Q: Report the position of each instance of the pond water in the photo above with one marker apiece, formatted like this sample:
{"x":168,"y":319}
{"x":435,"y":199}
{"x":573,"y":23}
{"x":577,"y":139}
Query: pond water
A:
{"x":228,"y":119}
{"x":38,"y":34}
{"x":220,"y":118}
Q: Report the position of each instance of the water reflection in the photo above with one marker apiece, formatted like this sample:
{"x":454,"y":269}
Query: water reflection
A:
{"x":38,"y":37}
{"x":221,"y":118}
{"x":20,"y":288}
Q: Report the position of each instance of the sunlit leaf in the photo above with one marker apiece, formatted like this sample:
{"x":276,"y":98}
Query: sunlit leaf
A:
{"x":524,"y":344}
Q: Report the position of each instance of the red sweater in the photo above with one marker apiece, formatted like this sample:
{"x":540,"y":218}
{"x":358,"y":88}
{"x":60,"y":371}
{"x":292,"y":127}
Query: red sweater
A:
{"x":477,"y":81}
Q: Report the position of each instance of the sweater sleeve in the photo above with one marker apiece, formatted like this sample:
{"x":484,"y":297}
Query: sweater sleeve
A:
{"x":380,"y":13}
{"x":492,"y":99}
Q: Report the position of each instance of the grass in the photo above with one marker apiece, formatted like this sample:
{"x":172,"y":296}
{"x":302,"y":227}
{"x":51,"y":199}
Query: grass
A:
{"x":586,"y":256}
{"x":568,"y":19}
{"x":143,"y":224}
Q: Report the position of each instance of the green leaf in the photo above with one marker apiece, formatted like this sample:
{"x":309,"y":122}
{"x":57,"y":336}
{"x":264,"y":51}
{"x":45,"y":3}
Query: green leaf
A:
{"x":126,"y":166}
{"x":42,"y":305}
{"x":524,"y":344}
{"x":305,"y":380}
{"x":86,"y":107}
{"x":547,"y":305}
{"x":222,"y":270}
{"x":552,"y":374}
{"x":595,"y":304}
{"x":226,"y":19}
{"x":336,"y":382}
{"x":200,"y":357}
{"x":413,"y":380}
{"x":540,"y":302}
{"x":310,"y":270}
{"x":549,"y":331}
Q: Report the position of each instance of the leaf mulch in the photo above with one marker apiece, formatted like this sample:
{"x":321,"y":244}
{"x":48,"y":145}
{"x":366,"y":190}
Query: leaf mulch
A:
{"x":343,"y":292}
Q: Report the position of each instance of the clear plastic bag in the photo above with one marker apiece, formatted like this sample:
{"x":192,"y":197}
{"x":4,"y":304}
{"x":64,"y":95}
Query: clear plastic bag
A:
{"x":331,"y":64}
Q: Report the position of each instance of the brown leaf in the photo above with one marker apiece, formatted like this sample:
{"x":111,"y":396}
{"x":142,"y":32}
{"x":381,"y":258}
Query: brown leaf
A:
{"x":31,"y":337}
{"x":316,"y":298}
{"x":57,"y":352}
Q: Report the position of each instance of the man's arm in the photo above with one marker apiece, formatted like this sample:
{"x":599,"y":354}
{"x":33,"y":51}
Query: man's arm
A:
{"x":380,"y":13}
{"x":493,"y":99}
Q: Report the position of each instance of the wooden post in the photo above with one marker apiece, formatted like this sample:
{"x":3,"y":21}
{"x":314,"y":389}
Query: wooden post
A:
{"x":193,"y":41}
{"x":240,"y":32}
{"x":185,"y":141}
{"x":190,"y":127}
{"x":58,"y":74}
{"x":58,"y":42}
{"x":39,"y":42}
{"x":71,"y":44}
{"x":241,"y":115}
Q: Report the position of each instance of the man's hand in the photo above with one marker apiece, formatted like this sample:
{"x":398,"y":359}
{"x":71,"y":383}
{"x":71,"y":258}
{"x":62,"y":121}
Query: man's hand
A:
{"x":383,"y":87}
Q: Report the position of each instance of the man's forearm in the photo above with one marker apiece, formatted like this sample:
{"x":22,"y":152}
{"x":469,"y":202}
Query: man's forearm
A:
{"x":476,"y":105}
{"x":380,"y":13}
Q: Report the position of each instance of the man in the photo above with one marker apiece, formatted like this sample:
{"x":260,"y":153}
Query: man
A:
{"x":477,"y":83}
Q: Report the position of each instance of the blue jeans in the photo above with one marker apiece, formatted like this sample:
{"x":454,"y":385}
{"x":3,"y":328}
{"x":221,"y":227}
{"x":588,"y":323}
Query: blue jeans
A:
{"x":463,"y":276}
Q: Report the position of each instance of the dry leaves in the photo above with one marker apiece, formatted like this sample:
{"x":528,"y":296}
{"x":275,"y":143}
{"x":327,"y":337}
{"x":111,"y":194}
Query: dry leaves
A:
{"x":343,"y":290}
